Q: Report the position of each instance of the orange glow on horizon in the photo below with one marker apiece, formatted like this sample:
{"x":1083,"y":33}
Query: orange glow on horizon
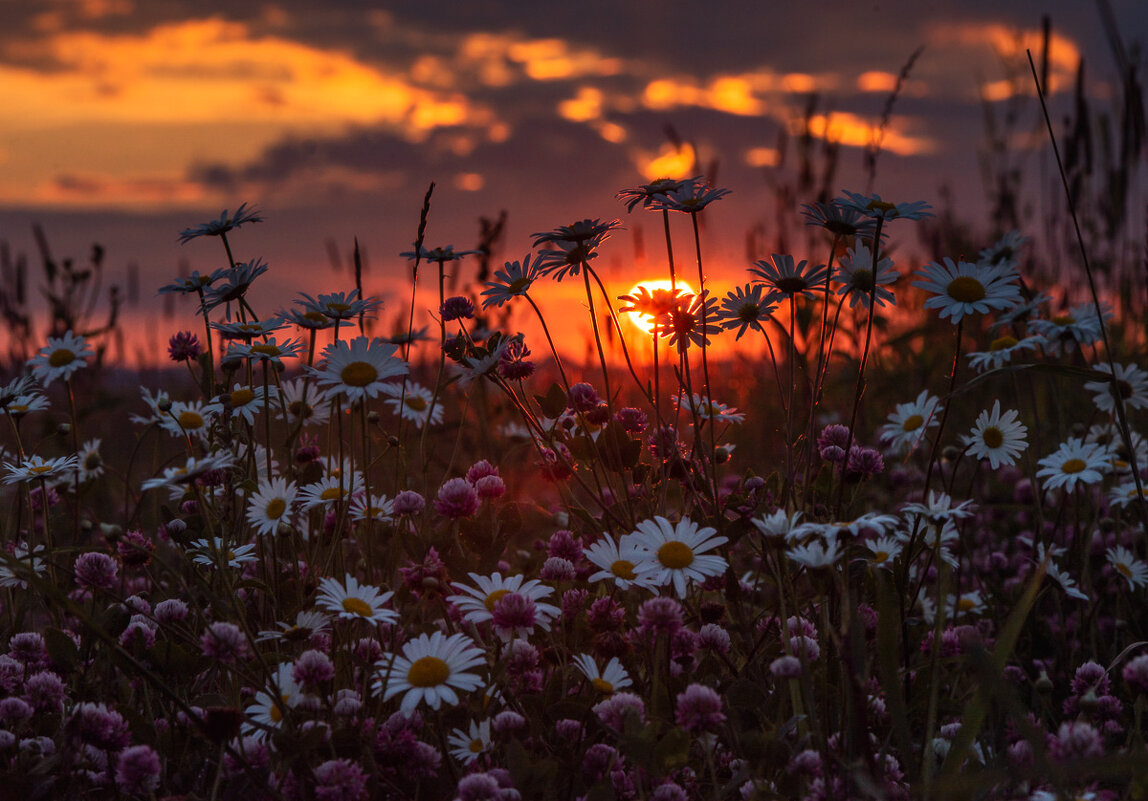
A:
{"x":645,"y":322}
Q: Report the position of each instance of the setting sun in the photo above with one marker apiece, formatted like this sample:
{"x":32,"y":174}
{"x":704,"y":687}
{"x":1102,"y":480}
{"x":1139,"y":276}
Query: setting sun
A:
{"x":645,"y":297}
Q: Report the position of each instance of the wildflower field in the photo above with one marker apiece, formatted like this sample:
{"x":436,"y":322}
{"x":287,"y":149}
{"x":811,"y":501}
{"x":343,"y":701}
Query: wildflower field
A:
{"x":319,"y":564}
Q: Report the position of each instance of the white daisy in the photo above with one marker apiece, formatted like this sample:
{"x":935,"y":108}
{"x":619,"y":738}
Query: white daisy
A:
{"x":707,"y":409}
{"x":996,"y":437}
{"x":1080,"y":324}
{"x":430,"y":668}
{"x":1110,"y":436}
{"x":189,"y":418}
{"x":678,"y":552}
{"x":962,"y":288}
{"x":883,"y":550}
{"x":777,"y":526}
{"x":1074,"y":462}
{"x":855,"y":272}
{"x":415,"y":404}
{"x":61,"y":357}
{"x":271,"y":505}
{"x":908,"y":424}
{"x":380,"y":508}
{"x":1124,"y":494}
{"x":324,"y":493}
{"x":465,"y":746}
{"x":353,"y":601}
{"x":37,"y":468}
{"x":816,"y":554}
{"x":938,"y":507}
{"x":1131,"y":383}
{"x":307,"y":623}
{"x":305,"y":403}
{"x":619,"y":562}
{"x":359,"y":369}
{"x":609,"y":679}
{"x":179,"y":477}
{"x":211,"y":553}
{"x":90,"y":462}
{"x":1001,"y":352}
{"x":16,"y":566}
{"x":1066,"y":582}
{"x":1006,"y":249}
{"x":272,"y":703}
{"x":247,"y":401}
{"x":1124,"y":562}
{"x":477,"y":603}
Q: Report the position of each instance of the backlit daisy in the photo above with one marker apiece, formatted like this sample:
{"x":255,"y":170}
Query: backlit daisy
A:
{"x":1131,"y":569}
{"x":855,"y":273}
{"x":478,"y":603}
{"x":908,"y":424}
{"x":90,"y":462}
{"x":1074,"y":462}
{"x":234,"y":283}
{"x":61,"y":357}
{"x":816,"y":554}
{"x":619,"y":562}
{"x":307,"y":623}
{"x":273,"y":703}
{"x":839,"y":219}
{"x":271,"y":505}
{"x":1006,"y":249}
{"x":246,"y":402}
{"x":789,"y":278}
{"x":379,"y":507}
{"x":431,"y":668}
{"x":189,"y":471}
{"x":883,"y":550}
{"x":225,"y":223}
{"x":1001,"y":352}
{"x":996,"y":437}
{"x":512,"y":281}
{"x":189,"y":418}
{"x":678,"y":552}
{"x":268,"y":350}
{"x":354,"y":601}
{"x":325,"y":492}
{"x":1079,"y":325}
{"x":690,"y":196}
{"x":873,"y":206}
{"x":305,"y":403}
{"x":248,"y":330}
{"x":413,"y":402}
{"x":211,"y":553}
{"x":962,"y":288}
{"x":646,"y":194}
{"x":609,"y":679}
{"x":359,"y":369}
{"x":684,"y":323}
{"x":708,"y":410}
{"x":37,"y":468}
{"x":744,"y":308}
{"x":1131,"y":384}
{"x":338,"y":306}
{"x":466,"y":746}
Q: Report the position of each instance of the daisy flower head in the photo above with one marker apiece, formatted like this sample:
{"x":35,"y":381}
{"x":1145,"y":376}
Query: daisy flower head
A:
{"x":619,"y":562}
{"x":245,"y":401}
{"x":1080,"y":325}
{"x":856,"y":274}
{"x":37,"y":468}
{"x":777,"y":526}
{"x":512,"y":281}
{"x":269,"y":350}
{"x":467,"y":745}
{"x":873,"y":206}
{"x":306,"y":624}
{"x":839,"y":219}
{"x":1124,"y":494}
{"x":692,"y":322}
{"x":1131,"y":569}
{"x":678,"y":552}
{"x":690,"y":196}
{"x":211,"y":553}
{"x":1005,"y":250}
{"x":786,"y":277}
{"x":248,"y":330}
{"x":963,"y":288}
{"x":1131,"y":386}
{"x":351,"y":600}
{"x":91,"y":463}
{"x":20,"y":563}
{"x":440,"y":255}
{"x":1074,"y":463}
{"x":180,"y":477}
{"x":596,"y":231}
{"x":816,"y":554}
{"x":481,"y":604}
{"x":1001,"y":351}
{"x":273,"y":702}
{"x":413,"y":402}
{"x":648,"y":194}
{"x":189,"y":418}
{"x":431,"y":668}
{"x":909,"y":422}
{"x":271,"y":504}
{"x":304,"y":402}
{"x":234,"y":283}
{"x":744,"y":308}
{"x":325,"y":492}
{"x":358,"y":369}
{"x":19,"y":405}
{"x":609,"y":679}
{"x":225,"y":223}
{"x":60,"y":358}
{"x":707,"y":409}
{"x":883,"y":550}
{"x":938,"y":507}
{"x":378,"y":507}
{"x":187,"y":284}
{"x":338,"y":306}
{"x":996,"y":437}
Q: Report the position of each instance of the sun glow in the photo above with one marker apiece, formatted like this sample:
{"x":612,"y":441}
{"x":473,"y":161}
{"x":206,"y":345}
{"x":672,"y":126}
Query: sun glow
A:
{"x":658,"y":290}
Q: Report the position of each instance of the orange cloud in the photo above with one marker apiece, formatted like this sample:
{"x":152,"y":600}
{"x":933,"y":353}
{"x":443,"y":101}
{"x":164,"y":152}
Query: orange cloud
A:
{"x":1010,"y":44}
{"x":854,"y":131}
{"x":669,"y":163}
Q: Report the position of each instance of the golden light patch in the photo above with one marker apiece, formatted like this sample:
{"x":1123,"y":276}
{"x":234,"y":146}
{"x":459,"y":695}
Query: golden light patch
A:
{"x":670,"y":162}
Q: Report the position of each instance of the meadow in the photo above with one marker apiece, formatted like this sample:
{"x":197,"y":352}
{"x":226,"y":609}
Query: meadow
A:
{"x":907,"y":561}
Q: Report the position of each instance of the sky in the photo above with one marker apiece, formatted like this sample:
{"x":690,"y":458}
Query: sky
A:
{"x":124,"y":121}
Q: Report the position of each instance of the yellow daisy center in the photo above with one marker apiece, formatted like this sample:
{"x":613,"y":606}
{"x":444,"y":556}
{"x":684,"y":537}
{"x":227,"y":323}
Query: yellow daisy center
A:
{"x":315,"y":317}
{"x":359,"y":374}
{"x":602,"y":686}
{"x":1073,"y":466}
{"x":624,"y":569}
{"x":966,"y":605}
{"x":913,"y":422}
{"x":275,"y":713}
{"x":331,"y":494}
{"x":416,"y":403}
{"x":992,"y":437}
{"x":337,"y":308}
{"x":475,"y":746}
{"x":357,"y":606}
{"x":275,"y":508}
{"x":300,"y":409}
{"x":881,"y":205}
{"x":1064,"y":319}
{"x":494,"y":598}
{"x":880,"y":556}
{"x":242,"y":397}
{"x":61,"y":357}
{"x":430,"y":671}
{"x":190,"y":420}
{"x":675,"y":555}
{"x":266,"y":350}
{"x":518,"y":284}
{"x":40,"y":468}
{"x":965,"y":289}
{"x":1001,"y":343}
{"x":862,"y":279}
{"x":1124,"y":570}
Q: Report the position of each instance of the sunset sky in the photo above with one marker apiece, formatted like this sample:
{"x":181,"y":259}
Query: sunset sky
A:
{"x":124,"y":121}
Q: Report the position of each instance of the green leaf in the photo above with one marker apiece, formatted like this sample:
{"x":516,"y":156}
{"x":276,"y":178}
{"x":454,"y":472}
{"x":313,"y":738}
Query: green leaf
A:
{"x":554,"y":402}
